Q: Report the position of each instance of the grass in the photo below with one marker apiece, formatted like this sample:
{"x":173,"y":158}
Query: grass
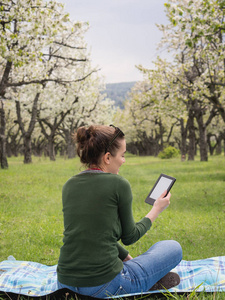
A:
{"x":31,"y":226}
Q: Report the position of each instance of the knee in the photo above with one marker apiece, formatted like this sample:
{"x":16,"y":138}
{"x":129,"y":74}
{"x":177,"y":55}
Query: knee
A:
{"x":172,"y":248}
{"x":176,"y":249}
{"x":168,"y":249}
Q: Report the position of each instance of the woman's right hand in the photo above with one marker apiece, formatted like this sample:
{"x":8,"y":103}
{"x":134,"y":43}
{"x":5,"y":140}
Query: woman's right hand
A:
{"x":160,"y":204}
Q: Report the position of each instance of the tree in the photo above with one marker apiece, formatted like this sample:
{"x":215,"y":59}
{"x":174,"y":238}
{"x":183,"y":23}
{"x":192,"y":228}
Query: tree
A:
{"x":4,"y":162}
{"x":192,"y":78}
{"x":64,"y":62}
{"x":26,"y":27}
{"x":197,"y":28}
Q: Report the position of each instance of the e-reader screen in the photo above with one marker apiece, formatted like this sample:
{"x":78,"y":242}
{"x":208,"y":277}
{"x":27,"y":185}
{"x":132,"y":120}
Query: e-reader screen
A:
{"x":164,"y":182}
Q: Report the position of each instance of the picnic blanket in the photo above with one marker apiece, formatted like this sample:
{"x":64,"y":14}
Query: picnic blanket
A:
{"x":35,"y":279}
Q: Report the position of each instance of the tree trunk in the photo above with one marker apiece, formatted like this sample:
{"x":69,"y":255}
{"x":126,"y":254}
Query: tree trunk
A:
{"x":161,"y":131}
{"x":71,"y":150}
{"x":51,"y":148}
{"x":211,"y":148}
{"x":191,"y":129}
{"x":219,"y":144}
{"x":13,"y":142}
{"x":53,"y":128}
{"x":8,"y":149}
{"x":27,"y":149}
{"x":5,"y":78}
{"x":157,"y":147}
{"x":70,"y":146}
{"x":183,"y":146}
{"x":199,"y":113}
{"x":3,"y":158}
{"x":224,"y":146}
{"x":219,"y":147}
{"x":27,"y":134}
{"x":202,"y":138}
{"x":210,"y":145}
{"x":3,"y":85}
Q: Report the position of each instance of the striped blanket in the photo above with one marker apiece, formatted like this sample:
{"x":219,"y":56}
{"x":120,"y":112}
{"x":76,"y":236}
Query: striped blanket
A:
{"x":34,"y":279}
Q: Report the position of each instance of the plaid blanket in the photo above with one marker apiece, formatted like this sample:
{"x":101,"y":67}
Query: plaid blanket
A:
{"x":34,"y":279}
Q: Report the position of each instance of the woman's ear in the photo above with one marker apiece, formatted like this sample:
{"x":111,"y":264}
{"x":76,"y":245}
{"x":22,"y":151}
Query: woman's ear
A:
{"x":106,"y":158}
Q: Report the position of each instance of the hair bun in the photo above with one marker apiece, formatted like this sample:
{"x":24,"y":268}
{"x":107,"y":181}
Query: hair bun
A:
{"x":81,"y":135}
{"x":84,"y":134}
{"x":91,"y":132}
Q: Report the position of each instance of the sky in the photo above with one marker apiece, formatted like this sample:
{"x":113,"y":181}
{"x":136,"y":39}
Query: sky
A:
{"x":122,"y":34}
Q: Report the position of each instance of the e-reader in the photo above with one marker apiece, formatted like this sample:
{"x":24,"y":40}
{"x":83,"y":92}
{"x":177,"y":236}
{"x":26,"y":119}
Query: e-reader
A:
{"x":164,"y":182}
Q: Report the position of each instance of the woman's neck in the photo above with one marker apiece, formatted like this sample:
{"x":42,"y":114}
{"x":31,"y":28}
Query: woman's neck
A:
{"x":94,"y":168}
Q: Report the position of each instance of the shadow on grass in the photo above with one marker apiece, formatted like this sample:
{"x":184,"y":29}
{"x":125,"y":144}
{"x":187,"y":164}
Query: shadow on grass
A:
{"x":65,"y":294}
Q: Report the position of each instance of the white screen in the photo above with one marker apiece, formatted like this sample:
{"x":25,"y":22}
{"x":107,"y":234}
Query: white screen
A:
{"x":161,"y":186}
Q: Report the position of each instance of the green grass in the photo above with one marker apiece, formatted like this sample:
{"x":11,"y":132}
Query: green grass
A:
{"x":31,"y":225}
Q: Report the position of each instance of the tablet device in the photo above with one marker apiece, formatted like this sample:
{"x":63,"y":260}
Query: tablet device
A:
{"x":164,"y":182}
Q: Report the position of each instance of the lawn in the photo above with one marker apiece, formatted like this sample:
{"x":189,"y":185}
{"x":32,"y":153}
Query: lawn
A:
{"x":31,"y":225}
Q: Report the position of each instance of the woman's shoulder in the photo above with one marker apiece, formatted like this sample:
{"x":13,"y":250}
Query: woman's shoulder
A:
{"x":119,"y":180}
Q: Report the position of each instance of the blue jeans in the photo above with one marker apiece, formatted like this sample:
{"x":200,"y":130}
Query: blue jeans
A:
{"x":139,"y":274}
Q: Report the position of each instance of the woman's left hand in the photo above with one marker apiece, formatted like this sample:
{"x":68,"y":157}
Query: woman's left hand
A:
{"x":128,"y":258}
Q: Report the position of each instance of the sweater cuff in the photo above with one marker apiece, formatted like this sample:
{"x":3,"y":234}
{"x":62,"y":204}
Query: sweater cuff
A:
{"x":122,"y":252}
{"x":147,"y":223}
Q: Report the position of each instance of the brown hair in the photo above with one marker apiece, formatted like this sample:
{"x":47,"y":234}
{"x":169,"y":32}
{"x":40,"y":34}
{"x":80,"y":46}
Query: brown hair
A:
{"x":96,"y":140}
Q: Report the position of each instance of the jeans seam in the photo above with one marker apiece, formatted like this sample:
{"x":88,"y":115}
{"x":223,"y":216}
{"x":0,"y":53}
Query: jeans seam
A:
{"x":104,"y":287}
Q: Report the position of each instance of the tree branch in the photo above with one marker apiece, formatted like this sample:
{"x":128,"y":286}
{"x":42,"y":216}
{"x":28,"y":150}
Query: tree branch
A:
{"x":216,"y":83}
{"x":42,"y":81}
{"x":65,"y":58}
{"x":69,"y":46}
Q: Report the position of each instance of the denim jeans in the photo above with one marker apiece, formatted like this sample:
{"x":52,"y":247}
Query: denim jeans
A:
{"x":139,"y":274}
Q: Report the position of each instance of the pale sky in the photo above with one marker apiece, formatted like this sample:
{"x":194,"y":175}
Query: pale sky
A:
{"x":122,"y":34}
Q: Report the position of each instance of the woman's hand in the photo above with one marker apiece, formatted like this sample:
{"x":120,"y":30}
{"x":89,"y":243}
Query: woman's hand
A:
{"x":160,"y":204}
{"x":128,"y":257}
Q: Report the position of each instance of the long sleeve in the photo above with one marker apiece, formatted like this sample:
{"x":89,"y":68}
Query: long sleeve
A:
{"x":131,"y":231}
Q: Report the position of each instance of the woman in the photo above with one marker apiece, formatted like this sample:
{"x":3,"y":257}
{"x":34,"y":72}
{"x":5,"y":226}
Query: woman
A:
{"x":97,"y":209}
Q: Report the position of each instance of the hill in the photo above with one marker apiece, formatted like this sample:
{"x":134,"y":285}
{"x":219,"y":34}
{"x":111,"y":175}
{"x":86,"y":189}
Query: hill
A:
{"x":119,"y":91}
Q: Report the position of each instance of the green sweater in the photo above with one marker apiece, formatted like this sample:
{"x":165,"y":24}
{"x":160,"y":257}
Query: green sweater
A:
{"x":97,"y":209}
